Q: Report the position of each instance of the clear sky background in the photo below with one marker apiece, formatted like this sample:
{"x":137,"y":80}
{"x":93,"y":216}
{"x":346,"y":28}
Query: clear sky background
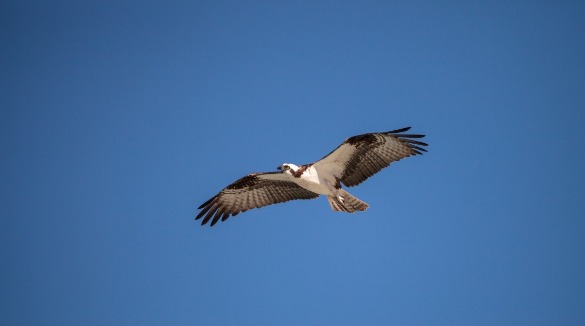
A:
{"x":118,"y":119}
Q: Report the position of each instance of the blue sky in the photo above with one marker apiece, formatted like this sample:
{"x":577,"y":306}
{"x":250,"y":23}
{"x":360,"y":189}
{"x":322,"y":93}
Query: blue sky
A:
{"x":119,"y":119}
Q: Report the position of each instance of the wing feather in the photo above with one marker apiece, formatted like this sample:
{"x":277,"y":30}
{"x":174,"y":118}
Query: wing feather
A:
{"x":359,"y":157}
{"x":252,"y":191}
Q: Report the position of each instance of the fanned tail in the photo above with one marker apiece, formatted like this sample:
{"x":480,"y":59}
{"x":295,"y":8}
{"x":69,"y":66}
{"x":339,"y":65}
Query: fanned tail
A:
{"x":348,"y":204}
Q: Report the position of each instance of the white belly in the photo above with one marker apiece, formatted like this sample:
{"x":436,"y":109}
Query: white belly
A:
{"x":319,"y":183}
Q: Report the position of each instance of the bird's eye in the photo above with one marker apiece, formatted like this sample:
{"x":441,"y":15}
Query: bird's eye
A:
{"x":286,"y":167}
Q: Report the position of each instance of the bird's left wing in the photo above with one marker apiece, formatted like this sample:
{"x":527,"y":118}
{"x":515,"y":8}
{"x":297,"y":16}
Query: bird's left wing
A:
{"x":359,"y":157}
{"x":252,"y":191}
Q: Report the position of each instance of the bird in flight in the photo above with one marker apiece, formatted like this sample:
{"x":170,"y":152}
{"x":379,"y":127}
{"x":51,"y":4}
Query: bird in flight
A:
{"x":356,"y":159}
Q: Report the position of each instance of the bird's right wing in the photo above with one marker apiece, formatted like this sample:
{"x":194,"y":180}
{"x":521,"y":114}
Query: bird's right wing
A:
{"x":252,"y":191}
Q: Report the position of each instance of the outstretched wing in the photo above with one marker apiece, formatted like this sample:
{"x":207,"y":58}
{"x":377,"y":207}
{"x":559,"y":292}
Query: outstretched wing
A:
{"x":360,"y":157}
{"x":252,"y":191}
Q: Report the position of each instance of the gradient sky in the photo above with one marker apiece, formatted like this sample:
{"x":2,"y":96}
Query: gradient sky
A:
{"x":119,"y":118}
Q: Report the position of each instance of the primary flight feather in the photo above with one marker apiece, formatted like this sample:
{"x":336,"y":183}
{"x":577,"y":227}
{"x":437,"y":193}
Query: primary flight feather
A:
{"x":351,"y":163}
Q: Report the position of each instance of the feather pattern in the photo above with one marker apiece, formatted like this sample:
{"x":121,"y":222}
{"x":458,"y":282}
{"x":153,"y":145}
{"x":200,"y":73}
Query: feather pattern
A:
{"x":351,"y":163}
{"x":360,"y":157}
{"x":252,"y":191}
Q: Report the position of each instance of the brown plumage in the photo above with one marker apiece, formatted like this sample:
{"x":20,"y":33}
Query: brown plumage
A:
{"x":365,"y":155}
{"x":355,"y":160}
{"x":252,"y":191}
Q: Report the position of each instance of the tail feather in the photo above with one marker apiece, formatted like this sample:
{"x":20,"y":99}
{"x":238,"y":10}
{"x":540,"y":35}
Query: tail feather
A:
{"x":349,"y":203}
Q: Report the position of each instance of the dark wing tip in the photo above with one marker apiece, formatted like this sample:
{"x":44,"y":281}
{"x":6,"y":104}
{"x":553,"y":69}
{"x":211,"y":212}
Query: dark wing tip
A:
{"x":205,"y":203}
{"x":214,"y":221}
{"x":210,"y":210}
{"x":415,"y":145}
{"x":417,"y":150}
{"x":399,"y":130}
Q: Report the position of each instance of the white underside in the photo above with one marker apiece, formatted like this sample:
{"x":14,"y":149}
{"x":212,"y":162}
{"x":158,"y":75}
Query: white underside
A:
{"x":319,"y":182}
{"x":322,"y":181}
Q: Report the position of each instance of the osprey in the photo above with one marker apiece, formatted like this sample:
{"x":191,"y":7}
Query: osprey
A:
{"x":351,"y":163}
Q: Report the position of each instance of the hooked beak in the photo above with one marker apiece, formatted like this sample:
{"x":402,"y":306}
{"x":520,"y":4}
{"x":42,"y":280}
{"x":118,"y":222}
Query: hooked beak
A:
{"x":279,"y":168}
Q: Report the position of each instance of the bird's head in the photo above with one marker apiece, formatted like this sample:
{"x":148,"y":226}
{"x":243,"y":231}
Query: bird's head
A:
{"x":288,"y":168}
